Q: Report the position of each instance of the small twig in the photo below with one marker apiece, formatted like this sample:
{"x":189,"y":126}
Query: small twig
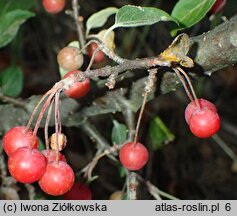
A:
{"x":89,"y":168}
{"x":132,"y":184}
{"x":140,"y":117}
{"x":106,"y":71}
{"x":111,"y":54}
{"x":111,"y":80}
{"x":11,"y":100}
{"x":224,"y":147}
{"x":156,"y":192}
{"x":95,"y":135}
{"x":31,"y":191}
{"x":99,"y":154}
{"x":148,"y":88}
{"x":129,"y":117}
{"x":79,"y":24}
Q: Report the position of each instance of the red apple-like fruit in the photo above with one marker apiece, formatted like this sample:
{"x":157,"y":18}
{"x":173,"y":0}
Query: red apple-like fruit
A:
{"x":133,"y":156}
{"x":204,"y":123}
{"x":78,"y":89}
{"x":27,"y":165}
{"x":54,"y":6}
{"x":18,"y":137}
{"x":192,"y":106}
{"x":99,"y":56}
{"x":57,"y":179}
{"x":78,"y":191}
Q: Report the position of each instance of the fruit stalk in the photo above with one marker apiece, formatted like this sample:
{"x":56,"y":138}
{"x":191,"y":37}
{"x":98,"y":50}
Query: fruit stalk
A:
{"x":78,"y":23}
{"x":46,"y":126}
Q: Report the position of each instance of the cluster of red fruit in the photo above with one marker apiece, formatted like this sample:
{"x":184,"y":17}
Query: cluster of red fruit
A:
{"x":27,"y":164}
{"x":133,"y":155}
{"x":203,"y":120}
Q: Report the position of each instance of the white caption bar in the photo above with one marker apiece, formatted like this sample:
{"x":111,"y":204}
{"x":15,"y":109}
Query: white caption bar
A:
{"x":120,"y":208}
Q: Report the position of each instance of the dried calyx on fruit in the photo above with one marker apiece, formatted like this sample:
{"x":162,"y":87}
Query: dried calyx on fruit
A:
{"x":62,"y":141}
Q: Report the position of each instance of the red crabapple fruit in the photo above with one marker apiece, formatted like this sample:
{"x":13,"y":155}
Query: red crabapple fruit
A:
{"x":192,"y":107}
{"x":26,"y":165}
{"x":218,"y":7}
{"x":78,"y":89}
{"x":51,"y":155}
{"x":133,"y":156}
{"x":57,"y":179}
{"x":19,"y":137}
{"x":54,"y":6}
{"x":78,"y":191}
{"x":99,"y":56}
{"x":204,"y":122}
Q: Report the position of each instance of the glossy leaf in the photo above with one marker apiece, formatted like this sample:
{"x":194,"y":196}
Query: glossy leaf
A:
{"x":11,"y":81}
{"x":188,"y":13}
{"x":98,"y":19}
{"x":159,"y":133}
{"x":119,"y":133}
{"x":10,"y":23}
{"x":132,"y":16}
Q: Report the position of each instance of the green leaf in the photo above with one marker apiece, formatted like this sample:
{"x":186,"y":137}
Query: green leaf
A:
{"x":122,"y":171}
{"x":132,"y":16}
{"x":11,"y":81}
{"x":62,"y":72}
{"x":98,"y":19}
{"x":10,"y":5}
{"x":41,"y":145}
{"x":159,"y":133}
{"x":10,"y":23}
{"x":188,"y":13}
{"x":74,"y":44}
{"x":119,"y":133}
